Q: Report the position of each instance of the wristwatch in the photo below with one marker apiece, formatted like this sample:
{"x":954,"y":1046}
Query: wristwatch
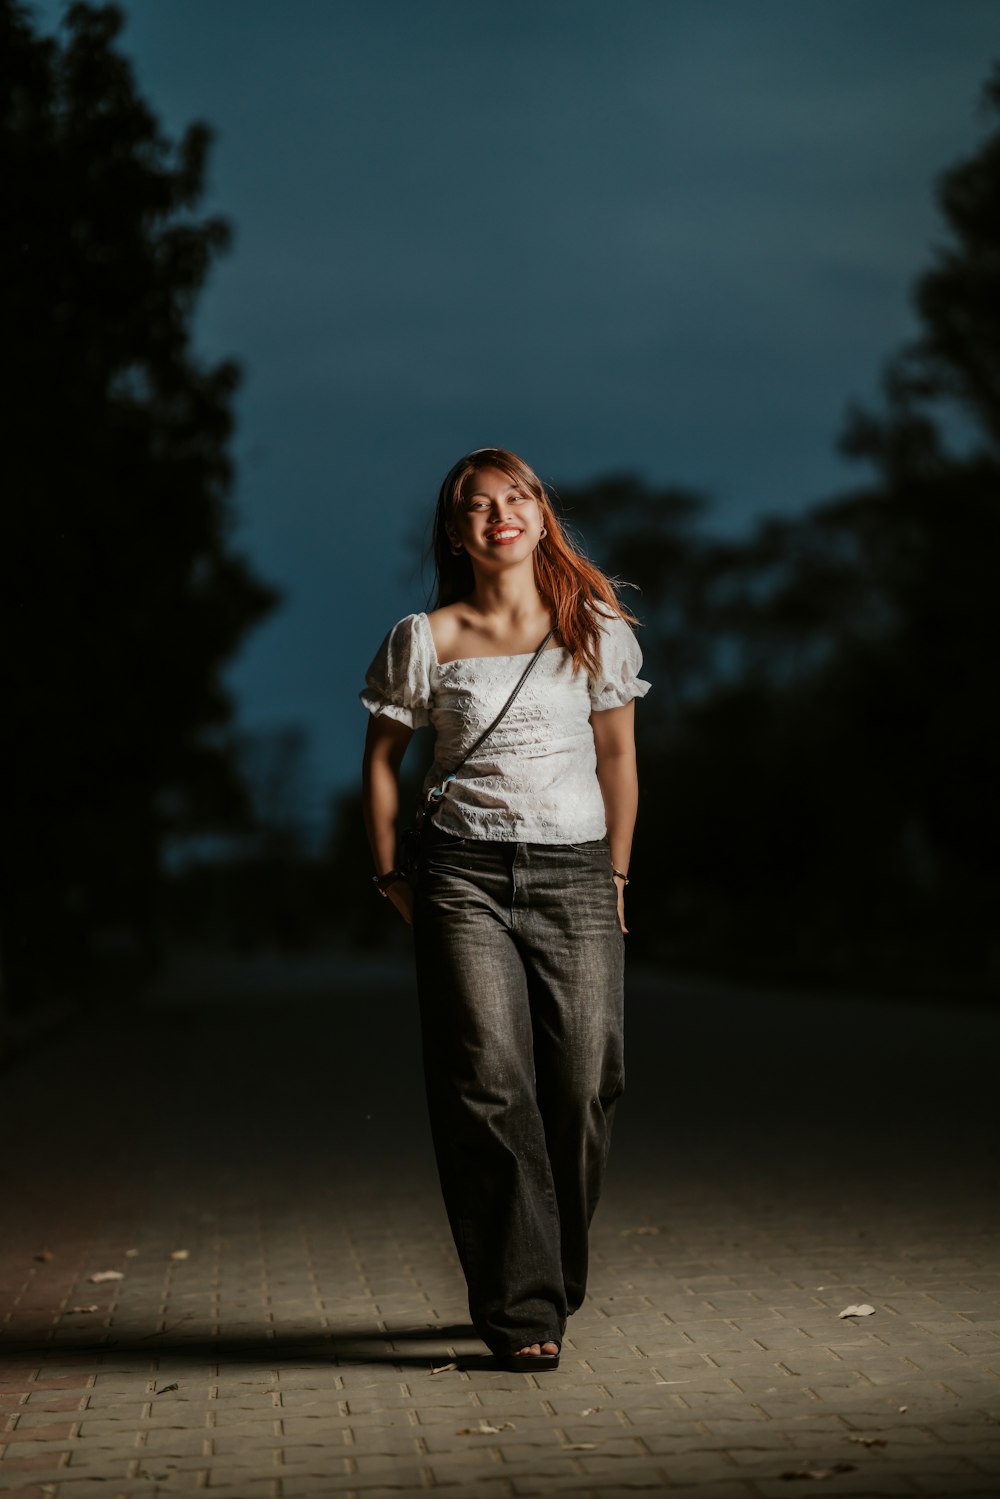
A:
{"x":383,"y":881}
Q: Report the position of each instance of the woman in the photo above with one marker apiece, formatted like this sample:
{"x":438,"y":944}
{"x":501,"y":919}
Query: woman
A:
{"x":518,"y":911}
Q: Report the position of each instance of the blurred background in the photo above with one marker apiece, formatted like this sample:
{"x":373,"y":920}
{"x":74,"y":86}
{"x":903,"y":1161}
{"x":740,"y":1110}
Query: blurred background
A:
{"x":726,"y":276}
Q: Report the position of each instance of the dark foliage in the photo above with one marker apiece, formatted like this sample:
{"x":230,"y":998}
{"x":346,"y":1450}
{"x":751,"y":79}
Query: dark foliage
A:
{"x":122,"y":595}
{"x":820,"y":787}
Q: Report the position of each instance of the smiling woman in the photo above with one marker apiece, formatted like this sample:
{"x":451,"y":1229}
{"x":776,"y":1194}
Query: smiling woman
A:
{"x":518,"y":907}
{"x":485,"y":498}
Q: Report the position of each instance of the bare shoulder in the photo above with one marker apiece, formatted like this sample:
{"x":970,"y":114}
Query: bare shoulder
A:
{"x":446,"y":627}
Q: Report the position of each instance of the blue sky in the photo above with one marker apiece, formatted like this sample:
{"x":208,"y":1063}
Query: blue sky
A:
{"x":669,"y":237}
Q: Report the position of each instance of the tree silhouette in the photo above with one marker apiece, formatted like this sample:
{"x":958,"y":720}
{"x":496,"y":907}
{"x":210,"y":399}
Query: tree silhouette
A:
{"x":955,"y":359}
{"x":122,"y":594}
{"x":929,"y":532}
{"x":824,"y":799}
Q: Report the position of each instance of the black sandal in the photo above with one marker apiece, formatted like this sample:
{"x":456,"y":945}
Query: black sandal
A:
{"x":527,"y":1363}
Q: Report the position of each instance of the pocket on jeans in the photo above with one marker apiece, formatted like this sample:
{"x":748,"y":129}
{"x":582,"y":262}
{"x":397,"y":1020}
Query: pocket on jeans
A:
{"x":436,"y":838}
{"x":597,"y":847}
{"x":445,"y":854}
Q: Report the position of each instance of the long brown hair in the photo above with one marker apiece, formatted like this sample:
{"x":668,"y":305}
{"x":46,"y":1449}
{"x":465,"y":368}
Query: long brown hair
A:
{"x":568,"y":582}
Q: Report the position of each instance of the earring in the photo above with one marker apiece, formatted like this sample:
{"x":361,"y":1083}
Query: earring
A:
{"x":457,"y":549}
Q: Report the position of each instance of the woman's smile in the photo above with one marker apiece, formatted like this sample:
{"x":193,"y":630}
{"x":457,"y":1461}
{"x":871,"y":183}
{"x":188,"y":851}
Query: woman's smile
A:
{"x":495,"y":514}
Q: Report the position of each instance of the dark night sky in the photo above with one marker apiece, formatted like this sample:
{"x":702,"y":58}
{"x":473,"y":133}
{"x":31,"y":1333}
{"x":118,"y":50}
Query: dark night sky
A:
{"x":670,"y":237}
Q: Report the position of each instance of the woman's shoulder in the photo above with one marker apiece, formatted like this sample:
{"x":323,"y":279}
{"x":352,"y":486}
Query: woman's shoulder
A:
{"x":410,"y":628}
{"x":612,"y":626}
{"x":398,"y":680}
{"x":444,"y":628}
{"x":408,"y":640}
{"x":618,"y":680}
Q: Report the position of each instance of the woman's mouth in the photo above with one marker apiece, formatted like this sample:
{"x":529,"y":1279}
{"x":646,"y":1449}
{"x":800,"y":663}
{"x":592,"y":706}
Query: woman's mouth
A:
{"x":503,"y":536}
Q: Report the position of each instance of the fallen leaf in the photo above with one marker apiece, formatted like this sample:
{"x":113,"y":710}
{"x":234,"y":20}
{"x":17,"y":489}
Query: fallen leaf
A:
{"x":818,"y":1472}
{"x":130,"y":1254}
{"x":903,"y":1409}
{"x":180,"y":1254}
{"x":166,"y":1387}
{"x":84,"y":1308}
{"x":106,"y":1275}
{"x":643,"y":1228}
{"x":45,"y":1255}
{"x":443,"y":1368}
{"x":862,"y":1310}
{"x":869,"y":1441}
{"x":484,"y":1429}
{"x":591,"y":1410}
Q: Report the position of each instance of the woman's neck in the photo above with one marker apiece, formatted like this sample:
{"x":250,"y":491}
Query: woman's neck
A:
{"x":507,"y":598}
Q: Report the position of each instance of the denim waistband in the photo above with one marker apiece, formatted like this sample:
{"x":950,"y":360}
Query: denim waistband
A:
{"x":439,"y":838}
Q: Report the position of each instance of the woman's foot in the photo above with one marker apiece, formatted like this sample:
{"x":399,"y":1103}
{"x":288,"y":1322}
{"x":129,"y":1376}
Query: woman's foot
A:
{"x":531,"y":1359}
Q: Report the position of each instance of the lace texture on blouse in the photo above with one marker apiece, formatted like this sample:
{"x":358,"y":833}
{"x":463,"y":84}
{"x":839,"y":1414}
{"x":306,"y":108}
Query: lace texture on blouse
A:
{"x":535,"y":778}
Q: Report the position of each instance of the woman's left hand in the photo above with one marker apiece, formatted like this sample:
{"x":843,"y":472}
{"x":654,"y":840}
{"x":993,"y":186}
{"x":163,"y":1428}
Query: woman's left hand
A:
{"x":620,"y":885}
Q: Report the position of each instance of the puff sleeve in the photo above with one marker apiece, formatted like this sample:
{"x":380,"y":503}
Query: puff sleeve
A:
{"x":398,"y":679}
{"x":618,"y":681}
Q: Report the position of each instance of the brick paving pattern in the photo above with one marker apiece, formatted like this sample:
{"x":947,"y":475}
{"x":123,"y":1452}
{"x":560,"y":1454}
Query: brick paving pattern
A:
{"x":248,"y":1149}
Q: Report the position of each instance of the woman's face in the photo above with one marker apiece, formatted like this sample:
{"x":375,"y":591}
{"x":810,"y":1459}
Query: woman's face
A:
{"x":498,"y":522}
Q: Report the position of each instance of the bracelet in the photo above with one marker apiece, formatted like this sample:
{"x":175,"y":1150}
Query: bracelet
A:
{"x":616,"y":874}
{"x":383,"y":881}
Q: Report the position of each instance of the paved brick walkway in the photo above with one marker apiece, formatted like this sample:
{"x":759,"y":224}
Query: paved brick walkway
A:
{"x":258,"y":1171}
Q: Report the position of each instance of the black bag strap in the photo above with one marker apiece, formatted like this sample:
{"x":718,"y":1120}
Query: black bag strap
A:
{"x":435,"y":794}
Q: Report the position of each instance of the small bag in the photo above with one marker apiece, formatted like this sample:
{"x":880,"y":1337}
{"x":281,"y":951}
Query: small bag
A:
{"x":408,"y":857}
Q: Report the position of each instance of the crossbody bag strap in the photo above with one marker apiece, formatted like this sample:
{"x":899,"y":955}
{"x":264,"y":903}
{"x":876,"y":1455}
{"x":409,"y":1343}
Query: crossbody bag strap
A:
{"x":435,"y":794}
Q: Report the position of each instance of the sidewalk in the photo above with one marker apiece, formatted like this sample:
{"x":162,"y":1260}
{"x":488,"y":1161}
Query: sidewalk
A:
{"x":249,"y":1151}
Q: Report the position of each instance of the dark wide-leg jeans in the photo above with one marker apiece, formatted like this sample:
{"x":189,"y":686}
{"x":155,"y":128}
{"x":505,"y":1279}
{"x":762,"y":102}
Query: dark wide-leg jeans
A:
{"x":520,"y":975}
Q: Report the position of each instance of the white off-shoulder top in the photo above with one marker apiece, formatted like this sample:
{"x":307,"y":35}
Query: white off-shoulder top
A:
{"x":535,"y":778}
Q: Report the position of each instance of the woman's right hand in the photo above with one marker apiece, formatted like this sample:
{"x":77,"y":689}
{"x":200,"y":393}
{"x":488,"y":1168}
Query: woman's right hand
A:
{"x":400,"y":892}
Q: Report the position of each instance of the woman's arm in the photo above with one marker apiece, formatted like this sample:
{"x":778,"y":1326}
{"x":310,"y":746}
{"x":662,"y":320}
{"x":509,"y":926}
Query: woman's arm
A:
{"x":385,"y":746}
{"x":614,"y":739}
